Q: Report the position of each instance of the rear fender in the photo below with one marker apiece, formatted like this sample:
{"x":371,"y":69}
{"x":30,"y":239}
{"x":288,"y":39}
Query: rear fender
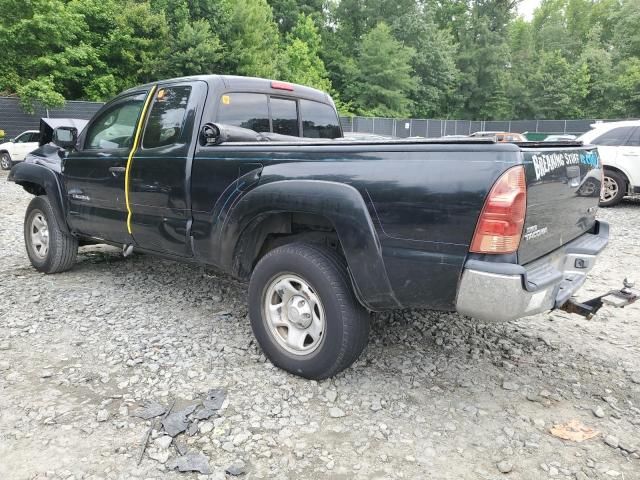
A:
{"x":339,"y":203}
{"x":39,"y":180}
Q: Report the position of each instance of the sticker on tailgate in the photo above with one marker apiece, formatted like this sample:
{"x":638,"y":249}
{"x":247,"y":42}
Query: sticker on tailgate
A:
{"x":544,"y":163}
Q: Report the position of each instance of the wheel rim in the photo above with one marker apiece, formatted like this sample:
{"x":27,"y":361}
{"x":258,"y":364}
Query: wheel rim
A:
{"x":610,"y":189}
{"x":39,"y":235}
{"x":294,"y":314}
{"x":4,"y":161}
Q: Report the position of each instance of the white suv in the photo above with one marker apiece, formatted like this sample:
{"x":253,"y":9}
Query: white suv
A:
{"x":619,"y":148}
{"x":17,"y":148}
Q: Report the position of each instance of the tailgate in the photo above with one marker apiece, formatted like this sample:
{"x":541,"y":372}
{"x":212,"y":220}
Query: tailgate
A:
{"x":563,"y":190}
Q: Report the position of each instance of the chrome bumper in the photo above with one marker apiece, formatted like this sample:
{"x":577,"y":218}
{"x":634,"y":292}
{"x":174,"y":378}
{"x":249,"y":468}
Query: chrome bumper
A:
{"x":497,"y":292}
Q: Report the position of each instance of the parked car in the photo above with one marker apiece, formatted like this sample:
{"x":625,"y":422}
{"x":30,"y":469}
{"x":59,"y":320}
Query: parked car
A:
{"x":244,"y":174}
{"x":619,"y":148}
{"x":15,"y":149}
{"x":502,"y":137}
{"x":560,"y":138}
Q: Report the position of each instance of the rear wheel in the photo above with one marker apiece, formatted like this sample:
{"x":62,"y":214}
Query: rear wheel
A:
{"x":50,"y":250}
{"x":614,"y":189}
{"x":304,"y":313}
{"x":5,"y":161}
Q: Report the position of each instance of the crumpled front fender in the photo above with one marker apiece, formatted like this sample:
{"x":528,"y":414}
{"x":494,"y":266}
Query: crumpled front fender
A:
{"x":40,"y":180}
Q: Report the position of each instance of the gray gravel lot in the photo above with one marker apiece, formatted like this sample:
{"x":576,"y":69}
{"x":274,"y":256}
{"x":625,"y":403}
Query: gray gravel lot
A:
{"x":435,"y":395}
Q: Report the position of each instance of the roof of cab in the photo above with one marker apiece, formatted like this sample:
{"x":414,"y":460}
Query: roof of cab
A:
{"x":246,"y":84}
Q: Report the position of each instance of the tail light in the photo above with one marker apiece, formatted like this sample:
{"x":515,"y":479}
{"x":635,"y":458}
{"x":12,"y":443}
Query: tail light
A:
{"x":500,"y":224}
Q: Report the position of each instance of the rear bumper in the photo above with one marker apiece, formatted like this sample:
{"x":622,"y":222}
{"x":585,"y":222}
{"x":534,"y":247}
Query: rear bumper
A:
{"x":494,"y":292}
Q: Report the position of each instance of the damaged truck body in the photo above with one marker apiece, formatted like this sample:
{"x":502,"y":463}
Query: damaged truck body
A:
{"x":251,"y":176}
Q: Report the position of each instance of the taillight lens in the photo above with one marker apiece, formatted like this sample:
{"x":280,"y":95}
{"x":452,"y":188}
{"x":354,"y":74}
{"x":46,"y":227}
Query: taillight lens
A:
{"x":500,"y":224}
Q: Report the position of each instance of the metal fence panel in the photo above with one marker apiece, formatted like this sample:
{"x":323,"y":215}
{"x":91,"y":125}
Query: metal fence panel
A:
{"x":475,"y":126}
{"x":419,"y":127}
{"x":403,"y":128}
{"x":463,"y":127}
{"x":347,"y":124}
{"x":521,"y":126}
{"x":383,"y":126}
{"x":551,"y":126}
{"x":496,"y":125}
{"x":363,"y":124}
{"x":578,"y":127}
{"x":14,"y":120}
{"x":434,"y":128}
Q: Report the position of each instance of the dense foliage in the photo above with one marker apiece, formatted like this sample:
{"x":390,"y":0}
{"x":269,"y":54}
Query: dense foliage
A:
{"x":471,"y":59}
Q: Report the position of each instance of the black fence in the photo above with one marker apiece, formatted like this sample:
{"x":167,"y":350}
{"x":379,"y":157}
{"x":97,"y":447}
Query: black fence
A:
{"x":438,"y":128}
{"x":13,"y":120}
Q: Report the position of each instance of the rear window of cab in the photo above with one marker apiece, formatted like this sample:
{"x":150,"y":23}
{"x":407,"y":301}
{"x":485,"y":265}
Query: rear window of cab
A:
{"x":284,"y":115}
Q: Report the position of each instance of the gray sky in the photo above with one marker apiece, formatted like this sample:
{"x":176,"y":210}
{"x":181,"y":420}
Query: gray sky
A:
{"x":527,"y":7}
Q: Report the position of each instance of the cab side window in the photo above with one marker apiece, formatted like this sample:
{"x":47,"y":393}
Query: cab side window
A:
{"x":614,"y":137}
{"x":115,"y":127}
{"x":319,"y":120}
{"x":284,"y":116}
{"x":166,"y":119}
{"x":634,"y":139}
{"x":246,"y":110}
{"x":24,"y":138}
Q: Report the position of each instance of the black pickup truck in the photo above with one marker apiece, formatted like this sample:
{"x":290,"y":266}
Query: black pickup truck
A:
{"x":251,"y":176}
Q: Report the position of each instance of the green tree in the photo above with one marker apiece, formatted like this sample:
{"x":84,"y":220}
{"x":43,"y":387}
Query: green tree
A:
{"x":560,"y":87}
{"x":385,"y":80}
{"x":286,"y":12}
{"x":626,"y":102}
{"x":434,"y":63}
{"x":600,"y":85}
{"x":251,"y":39}
{"x":194,"y":50}
{"x":44,"y":52}
{"x":135,"y":49}
{"x":300,"y":61}
{"x":483,"y":61}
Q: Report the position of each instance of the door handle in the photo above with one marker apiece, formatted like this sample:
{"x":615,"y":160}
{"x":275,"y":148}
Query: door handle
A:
{"x":115,"y":171}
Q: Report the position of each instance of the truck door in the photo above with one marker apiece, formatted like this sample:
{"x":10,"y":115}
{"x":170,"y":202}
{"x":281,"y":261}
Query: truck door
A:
{"x":94,"y":175}
{"x":160,"y":170}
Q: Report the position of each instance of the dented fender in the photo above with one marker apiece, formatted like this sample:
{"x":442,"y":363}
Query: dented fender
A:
{"x":39,"y":180}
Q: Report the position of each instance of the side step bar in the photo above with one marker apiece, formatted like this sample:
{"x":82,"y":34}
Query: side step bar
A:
{"x":616,"y":298}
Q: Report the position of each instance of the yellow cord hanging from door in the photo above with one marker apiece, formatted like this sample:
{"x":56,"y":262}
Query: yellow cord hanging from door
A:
{"x":134,"y":147}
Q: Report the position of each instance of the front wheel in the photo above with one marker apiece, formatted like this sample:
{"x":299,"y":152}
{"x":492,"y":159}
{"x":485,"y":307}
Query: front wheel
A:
{"x":50,"y":250}
{"x":614,"y":189}
{"x":5,"y":161}
{"x":304,"y":313}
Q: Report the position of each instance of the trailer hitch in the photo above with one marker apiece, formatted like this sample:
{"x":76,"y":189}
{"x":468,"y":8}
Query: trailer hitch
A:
{"x":616,"y":298}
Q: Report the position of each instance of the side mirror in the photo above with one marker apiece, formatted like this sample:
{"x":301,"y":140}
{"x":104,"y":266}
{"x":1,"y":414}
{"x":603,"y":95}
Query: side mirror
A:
{"x":65,"y":137}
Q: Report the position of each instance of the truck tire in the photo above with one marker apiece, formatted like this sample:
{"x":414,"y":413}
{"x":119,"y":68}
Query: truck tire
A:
{"x":50,"y":250}
{"x":5,"y":161}
{"x":304,"y":313}
{"x":615,"y":188}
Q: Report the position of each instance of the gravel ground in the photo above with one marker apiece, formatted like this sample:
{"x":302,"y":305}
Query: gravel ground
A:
{"x":435,"y":395}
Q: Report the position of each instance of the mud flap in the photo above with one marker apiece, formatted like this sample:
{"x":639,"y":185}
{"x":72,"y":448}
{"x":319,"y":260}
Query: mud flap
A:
{"x":616,"y":298}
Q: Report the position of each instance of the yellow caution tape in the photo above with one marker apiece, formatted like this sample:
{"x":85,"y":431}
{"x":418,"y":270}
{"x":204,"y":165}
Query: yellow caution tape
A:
{"x":134,"y":147}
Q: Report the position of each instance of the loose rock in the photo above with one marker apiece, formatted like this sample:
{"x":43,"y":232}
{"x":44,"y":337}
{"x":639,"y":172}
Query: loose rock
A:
{"x":191,"y":462}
